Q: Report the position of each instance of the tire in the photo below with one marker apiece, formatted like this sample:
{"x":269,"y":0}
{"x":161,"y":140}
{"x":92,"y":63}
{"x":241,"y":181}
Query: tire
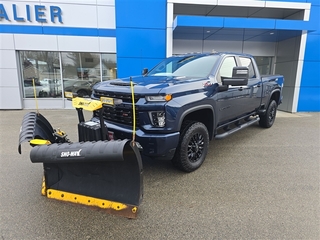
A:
{"x":193,"y":146}
{"x":82,"y":93}
{"x":267,"y":120}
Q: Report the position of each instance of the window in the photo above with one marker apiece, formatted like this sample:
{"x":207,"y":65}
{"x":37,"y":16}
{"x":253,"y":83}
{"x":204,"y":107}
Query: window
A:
{"x":109,"y":66}
{"x":226,"y":68}
{"x":246,"y":62}
{"x":264,"y":64}
{"x":186,"y":66}
{"x":40,"y":74}
{"x":80,"y":71}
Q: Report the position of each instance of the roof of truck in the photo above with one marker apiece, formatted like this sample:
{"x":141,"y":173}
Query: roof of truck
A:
{"x":211,"y":53}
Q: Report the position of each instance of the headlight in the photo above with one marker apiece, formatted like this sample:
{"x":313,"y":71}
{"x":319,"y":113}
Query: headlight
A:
{"x":159,"y":98}
{"x":158,"y":119}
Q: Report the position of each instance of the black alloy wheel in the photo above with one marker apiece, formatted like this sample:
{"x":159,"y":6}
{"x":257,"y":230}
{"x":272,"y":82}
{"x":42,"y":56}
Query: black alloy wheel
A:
{"x":196,"y":147}
{"x":193,"y":146}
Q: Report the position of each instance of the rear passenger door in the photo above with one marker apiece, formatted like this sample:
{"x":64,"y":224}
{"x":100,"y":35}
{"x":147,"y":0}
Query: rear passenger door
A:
{"x":227,"y":102}
{"x":254,"y":85}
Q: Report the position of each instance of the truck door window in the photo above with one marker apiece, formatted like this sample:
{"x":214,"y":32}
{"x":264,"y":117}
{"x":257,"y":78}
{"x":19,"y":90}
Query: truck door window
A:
{"x":226,"y":68}
{"x":246,"y":62}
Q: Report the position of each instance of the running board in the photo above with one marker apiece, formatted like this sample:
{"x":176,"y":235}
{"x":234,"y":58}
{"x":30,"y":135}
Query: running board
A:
{"x":237,"y":128}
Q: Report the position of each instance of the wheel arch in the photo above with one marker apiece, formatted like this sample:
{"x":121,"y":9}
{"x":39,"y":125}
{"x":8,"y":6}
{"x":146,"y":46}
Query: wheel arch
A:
{"x":203,"y":114}
{"x":275,"y":95}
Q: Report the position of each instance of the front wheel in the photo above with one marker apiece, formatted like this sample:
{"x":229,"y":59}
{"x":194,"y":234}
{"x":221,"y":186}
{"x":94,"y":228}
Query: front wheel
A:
{"x":267,"y":120}
{"x":192,"y":148}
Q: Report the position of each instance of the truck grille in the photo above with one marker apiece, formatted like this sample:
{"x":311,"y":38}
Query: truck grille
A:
{"x":121,"y":113}
{"x":125,"y":97}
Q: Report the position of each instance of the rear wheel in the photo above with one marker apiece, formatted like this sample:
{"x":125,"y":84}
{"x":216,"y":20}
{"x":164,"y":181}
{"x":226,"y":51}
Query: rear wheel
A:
{"x":267,"y":120}
{"x":193,"y":146}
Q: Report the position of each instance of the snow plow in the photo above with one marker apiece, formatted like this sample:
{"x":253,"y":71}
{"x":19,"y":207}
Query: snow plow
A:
{"x":95,"y":171}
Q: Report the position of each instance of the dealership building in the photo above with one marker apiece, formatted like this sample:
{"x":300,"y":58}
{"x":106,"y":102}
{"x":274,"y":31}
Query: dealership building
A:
{"x":50,"y":46}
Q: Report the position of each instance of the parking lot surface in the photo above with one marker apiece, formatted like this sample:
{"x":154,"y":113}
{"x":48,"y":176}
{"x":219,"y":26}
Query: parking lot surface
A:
{"x":255,"y":184}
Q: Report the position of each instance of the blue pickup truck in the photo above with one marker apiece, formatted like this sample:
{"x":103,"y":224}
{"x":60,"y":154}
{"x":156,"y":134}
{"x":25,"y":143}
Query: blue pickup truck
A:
{"x":186,"y":101}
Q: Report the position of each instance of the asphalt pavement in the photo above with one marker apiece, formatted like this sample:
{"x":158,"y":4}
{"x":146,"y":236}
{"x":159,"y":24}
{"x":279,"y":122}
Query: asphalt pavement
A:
{"x":255,"y":184}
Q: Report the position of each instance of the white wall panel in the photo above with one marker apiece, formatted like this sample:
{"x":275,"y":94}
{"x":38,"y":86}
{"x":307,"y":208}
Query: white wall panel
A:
{"x":184,"y":46}
{"x":286,"y":104}
{"x":82,"y":14}
{"x":267,"y":49}
{"x":106,"y":2}
{"x":44,"y":103}
{"x":288,"y":50}
{"x":23,"y":1}
{"x":9,"y":77}
{"x":291,"y":5}
{"x":10,"y":98}
{"x":287,"y":63}
{"x":254,"y":48}
{"x":76,"y":16}
{"x":244,"y":3}
{"x":58,"y":2}
{"x":288,"y":70}
{"x":8,"y":59}
{"x":6,"y":41}
{"x":36,"y":42}
{"x":21,"y":12}
{"x":78,"y":44}
{"x":107,"y":45}
{"x":106,"y":17}
{"x":222,"y":46}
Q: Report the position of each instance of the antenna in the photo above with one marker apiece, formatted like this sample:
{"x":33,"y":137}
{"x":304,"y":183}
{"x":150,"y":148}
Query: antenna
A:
{"x":35,"y":95}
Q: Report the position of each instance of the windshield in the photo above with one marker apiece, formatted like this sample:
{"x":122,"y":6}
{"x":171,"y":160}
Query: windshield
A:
{"x":186,"y":66}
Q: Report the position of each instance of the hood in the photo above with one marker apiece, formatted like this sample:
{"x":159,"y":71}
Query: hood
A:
{"x":143,"y":84}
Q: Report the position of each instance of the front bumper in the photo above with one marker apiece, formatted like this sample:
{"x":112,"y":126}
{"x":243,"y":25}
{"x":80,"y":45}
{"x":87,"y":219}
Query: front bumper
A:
{"x":159,"y":146}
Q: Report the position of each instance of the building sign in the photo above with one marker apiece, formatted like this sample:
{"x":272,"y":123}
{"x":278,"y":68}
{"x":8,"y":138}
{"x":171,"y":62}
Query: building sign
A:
{"x":39,"y":13}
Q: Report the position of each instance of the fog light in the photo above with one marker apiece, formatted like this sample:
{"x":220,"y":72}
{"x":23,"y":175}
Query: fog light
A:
{"x":158,"y":119}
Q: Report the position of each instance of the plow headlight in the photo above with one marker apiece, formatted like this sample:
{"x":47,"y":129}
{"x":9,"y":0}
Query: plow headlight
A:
{"x":158,"y":119}
{"x":159,"y":98}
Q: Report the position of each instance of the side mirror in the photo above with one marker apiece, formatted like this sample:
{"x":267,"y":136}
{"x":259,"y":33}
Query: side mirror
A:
{"x":240,"y":76}
{"x":145,"y":71}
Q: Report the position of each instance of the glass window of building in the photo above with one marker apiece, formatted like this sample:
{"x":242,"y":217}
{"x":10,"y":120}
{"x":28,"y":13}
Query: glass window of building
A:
{"x":226,"y":68}
{"x":109,"y":66}
{"x":264,"y":64}
{"x":40,"y":74}
{"x":80,"y":72}
{"x":246,"y":62}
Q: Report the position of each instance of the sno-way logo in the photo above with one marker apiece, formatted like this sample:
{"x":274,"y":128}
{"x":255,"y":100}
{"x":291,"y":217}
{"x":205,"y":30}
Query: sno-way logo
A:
{"x":71,"y":154}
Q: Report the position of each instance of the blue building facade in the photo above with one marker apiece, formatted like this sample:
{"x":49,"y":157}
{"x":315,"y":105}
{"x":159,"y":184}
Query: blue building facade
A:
{"x":64,"y":43}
